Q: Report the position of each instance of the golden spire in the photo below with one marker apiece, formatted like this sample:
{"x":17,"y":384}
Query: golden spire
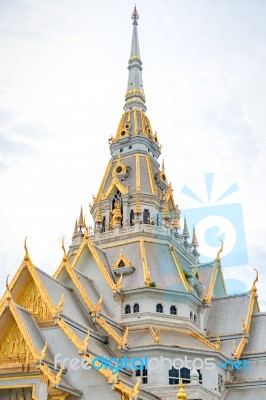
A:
{"x":81,"y":219}
{"x":75,"y":230}
{"x":137,"y":209}
{"x":194,"y":238}
{"x":185,"y":230}
{"x":26,"y":257}
{"x":176,"y":223}
{"x":181,"y":395}
{"x":99,"y":218}
{"x":166,"y":214}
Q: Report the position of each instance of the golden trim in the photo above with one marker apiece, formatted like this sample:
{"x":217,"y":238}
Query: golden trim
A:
{"x":136,"y":122}
{"x":148,"y":162}
{"x":107,"y":171}
{"x":81,"y":345}
{"x":115,"y":183}
{"x":137,"y":172}
{"x":142,"y":123}
{"x":179,"y":268}
{"x":214,"y":275}
{"x":123,"y":259}
{"x":147,"y":275}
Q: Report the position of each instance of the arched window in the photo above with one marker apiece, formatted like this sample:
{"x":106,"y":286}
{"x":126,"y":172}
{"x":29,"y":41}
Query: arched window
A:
{"x":127,"y":309}
{"x":173,"y":376}
{"x":173,"y":310}
{"x":131,"y":218}
{"x":191,"y":315}
{"x":195,"y":318}
{"x":136,"y":307}
{"x":146,"y":216}
{"x":185,"y":375}
{"x":159,"y":308}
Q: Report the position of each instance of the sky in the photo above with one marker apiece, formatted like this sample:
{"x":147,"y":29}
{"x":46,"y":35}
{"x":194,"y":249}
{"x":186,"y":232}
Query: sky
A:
{"x":63,"y":76}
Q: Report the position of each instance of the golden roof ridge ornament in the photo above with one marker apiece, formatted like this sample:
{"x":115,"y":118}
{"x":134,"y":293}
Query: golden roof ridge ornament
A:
{"x":135,"y":391}
{"x":65,"y":258}
{"x":59,"y":307}
{"x":44,"y":351}
{"x":26,"y":257}
{"x":75,"y":230}
{"x":137,"y":209}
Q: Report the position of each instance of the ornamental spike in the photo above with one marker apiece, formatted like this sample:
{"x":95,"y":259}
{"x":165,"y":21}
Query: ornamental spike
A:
{"x":181,"y":395}
{"x":81,"y":219}
{"x":75,"y":232}
{"x":137,"y":209}
{"x":185,"y":230}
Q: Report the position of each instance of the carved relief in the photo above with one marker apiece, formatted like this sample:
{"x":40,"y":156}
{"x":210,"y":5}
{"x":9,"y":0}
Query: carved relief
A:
{"x":33,"y":302}
{"x":13,"y":348}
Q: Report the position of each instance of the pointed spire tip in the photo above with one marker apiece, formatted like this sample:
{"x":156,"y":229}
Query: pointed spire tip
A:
{"x":135,"y":14}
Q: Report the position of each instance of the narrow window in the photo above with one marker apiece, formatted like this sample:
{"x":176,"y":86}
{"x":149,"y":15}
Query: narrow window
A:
{"x":131,"y":217}
{"x":173,"y":310}
{"x":200,"y":376}
{"x":136,"y":307}
{"x":146,"y":216}
{"x":104,"y":222}
{"x":220,"y":383}
{"x":185,"y":375}
{"x":143,"y":373}
{"x":191,"y":315}
{"x":195,"y":318}
{"x":173,"y":376}
{"x":127,"y":309}
{"x":159,"y":308}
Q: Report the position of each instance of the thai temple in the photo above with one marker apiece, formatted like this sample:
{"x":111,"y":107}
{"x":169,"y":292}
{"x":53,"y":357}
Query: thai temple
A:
{"x":131,"y":312}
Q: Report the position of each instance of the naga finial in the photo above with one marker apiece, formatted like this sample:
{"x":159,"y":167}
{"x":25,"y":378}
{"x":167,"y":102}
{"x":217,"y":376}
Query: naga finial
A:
{"x":26,"y":257}
{"x":64,"y":250}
